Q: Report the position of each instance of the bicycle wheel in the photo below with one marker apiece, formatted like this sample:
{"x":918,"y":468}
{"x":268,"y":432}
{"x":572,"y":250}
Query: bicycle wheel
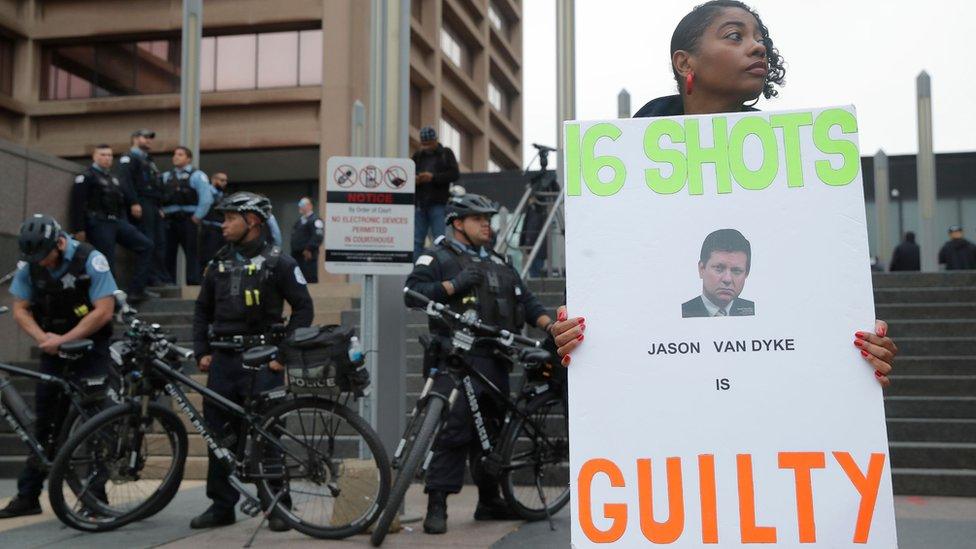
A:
{"x":431,"y":414}
{"x":535,"y":458}
{"x":118,"y":467}
{"x":331,"y":470}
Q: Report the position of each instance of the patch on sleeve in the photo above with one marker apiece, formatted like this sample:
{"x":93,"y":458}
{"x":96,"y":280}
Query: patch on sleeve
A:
{"x":319,"y":224}
{"x":124,"y":160}
{"x":424,"y":260}
{"x":99,"y":263}
{"x":299,"y":277}
{"x":79,"y":179}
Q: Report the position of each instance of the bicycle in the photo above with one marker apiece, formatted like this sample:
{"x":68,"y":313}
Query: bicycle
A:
{"x":531,"y":453}
{"x":298,"y":450}
{"x":85,"y":396}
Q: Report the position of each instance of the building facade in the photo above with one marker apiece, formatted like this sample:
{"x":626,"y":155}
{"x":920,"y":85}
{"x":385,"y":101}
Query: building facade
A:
{"x":278,"y":81}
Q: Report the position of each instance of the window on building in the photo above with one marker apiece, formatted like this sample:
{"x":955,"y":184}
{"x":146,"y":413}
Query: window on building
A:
{"x":493,"y":166}
{"x":415,"y":105}
{"x":450,"y":137}
{"x":6,"y":66}
{"x":496,"y":19}
{"x":451,"y":47}
{"x":495,"y":97}
{"x":231,"y":62}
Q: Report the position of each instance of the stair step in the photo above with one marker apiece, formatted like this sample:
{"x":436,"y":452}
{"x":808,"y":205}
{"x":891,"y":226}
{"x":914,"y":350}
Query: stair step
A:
{"x":930,"y":385}
{"x":940,"y":455}
{"x":922,"y":280}
{"x":936,"y":294}
{"x":957,"y":327}
{"x":934,"y":482}
{"x":931,"y":430}
{"x":926,"y":346}
{"x":935,"y":365}
{"x":930,"y":407}
{"x":902,"y":311}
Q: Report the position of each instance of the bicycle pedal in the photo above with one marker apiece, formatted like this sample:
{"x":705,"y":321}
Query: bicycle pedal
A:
{"x":251,"y":508}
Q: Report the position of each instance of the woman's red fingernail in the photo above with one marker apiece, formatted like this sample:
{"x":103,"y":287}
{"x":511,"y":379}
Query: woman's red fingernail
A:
{"x":582,"y":320}
{"x":579,"y":337}
{"x":561,"y":316}
{"x":566,"y":360}
{"x":864,"y":354}
{"x":582,"y":327}
{"x":858,"y":342}
{"x":878,"y":374}
{"x":883,"y":332}
{"x":859,"y":335}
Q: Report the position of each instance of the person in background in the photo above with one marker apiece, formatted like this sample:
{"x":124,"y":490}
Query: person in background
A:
{"x":99,"y":202}
{"x":186,"y":201}
{"x":958,"y":253}
{"x":211,"y":238}
{"x":906,"y":256}
{"x":138,"y":171}
{"x":437,"y":168}
{"x":306,"y":237}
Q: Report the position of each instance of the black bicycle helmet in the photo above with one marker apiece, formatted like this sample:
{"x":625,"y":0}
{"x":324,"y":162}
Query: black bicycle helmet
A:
{"x":459,"y":207}
{"x":38,"y":236}
{"x":243,"y":202}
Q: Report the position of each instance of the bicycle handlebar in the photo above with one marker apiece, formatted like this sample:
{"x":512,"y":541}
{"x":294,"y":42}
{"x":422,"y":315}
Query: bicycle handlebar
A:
{"x":505,"y":337}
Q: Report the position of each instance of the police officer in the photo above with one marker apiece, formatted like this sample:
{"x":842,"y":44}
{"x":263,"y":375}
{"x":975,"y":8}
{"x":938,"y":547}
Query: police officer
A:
{"x":186,"y":201}
{"x":242,"y":294}
{"x":211,"y":236}
{"x":62,"y":292}
{"x":461,"y":271}
{"x":98,"y":215}
{"x":306,"y":237}
{"x":138,"y":171}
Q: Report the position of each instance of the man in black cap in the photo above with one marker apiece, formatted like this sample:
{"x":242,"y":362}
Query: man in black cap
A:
{"x":907,"y":256}
{"x":958,"y":253}
{"x":138,"y":171}
{"x":437,"y":168}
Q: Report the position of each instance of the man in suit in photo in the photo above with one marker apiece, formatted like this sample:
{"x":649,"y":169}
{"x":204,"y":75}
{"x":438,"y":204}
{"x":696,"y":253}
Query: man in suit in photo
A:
{"x":723,"y":267}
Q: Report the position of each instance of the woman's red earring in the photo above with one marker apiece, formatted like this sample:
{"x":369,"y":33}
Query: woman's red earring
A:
{"x":689,"y":83}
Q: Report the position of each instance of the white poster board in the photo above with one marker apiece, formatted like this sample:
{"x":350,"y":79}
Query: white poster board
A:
{"x":760,"y":426}
{"x":369,"y":215}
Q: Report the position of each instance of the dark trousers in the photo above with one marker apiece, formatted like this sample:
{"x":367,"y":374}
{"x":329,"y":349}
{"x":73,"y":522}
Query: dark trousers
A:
{"x":458,"y":440}
{"x":211,"y":240}
{"x":151,"y":224}
{"x":182,"y":231}
{"x":103,"y":234}
{"x":228,"y":378}
{"x":309,"y":267}
{"x":51,"y":407}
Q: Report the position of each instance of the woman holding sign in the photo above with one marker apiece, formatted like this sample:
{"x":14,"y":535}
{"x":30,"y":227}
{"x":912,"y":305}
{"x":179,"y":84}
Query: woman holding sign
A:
{"x":723,"y":59}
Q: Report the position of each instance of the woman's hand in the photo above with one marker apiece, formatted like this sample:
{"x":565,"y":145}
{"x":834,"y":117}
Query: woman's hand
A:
{"x":878,"y":350}
{"x":568,"y":333}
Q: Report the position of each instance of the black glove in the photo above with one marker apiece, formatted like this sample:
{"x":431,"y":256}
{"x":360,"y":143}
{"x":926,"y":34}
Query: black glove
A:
{"x":467,"y":279}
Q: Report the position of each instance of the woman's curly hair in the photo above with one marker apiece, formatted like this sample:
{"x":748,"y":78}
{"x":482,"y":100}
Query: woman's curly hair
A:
{"x":692,"y":26}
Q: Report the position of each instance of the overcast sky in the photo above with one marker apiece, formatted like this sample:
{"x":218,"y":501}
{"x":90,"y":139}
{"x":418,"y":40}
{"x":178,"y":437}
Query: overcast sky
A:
{"x":837,"y":51}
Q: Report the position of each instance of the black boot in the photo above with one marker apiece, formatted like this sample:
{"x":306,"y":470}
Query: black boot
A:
{"x":213,"y":517}
{"x":491,"y":506}
{"x":20,"y":507}
{"x":436,"y":520}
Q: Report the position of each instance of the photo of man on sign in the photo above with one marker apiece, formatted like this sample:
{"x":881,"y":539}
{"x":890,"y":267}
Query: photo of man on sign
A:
{"x":726,"y":257}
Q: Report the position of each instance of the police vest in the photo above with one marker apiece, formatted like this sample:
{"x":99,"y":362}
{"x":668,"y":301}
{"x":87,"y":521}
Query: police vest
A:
{"x":246,"y":296}
{"x":303,"y":234}
{"x":146,"y":178}
{"x":496,"y":298}
{"x":178,"y":191}
{"x":59,"y":304}
{"x":105,"y":196}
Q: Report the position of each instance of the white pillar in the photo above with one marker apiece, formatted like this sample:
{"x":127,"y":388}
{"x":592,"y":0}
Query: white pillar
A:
{"x":925,"y":161}
{"x":883,"y":250}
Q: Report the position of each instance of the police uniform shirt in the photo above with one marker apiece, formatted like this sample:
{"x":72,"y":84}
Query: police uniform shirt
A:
{"x":201,"y":184}
{"x":135,"y":180}
{"x":102,"y":281}
{"x":305,"y":239}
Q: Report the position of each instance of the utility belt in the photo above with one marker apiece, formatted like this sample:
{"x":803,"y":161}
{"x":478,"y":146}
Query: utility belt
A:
{"x":244,"y":342}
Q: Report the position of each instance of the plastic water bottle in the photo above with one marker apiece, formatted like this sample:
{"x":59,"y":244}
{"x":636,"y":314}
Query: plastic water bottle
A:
{"x":355,"y":351}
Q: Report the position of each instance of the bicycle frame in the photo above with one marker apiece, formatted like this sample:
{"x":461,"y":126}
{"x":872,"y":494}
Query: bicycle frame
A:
{"x":71,"y":389}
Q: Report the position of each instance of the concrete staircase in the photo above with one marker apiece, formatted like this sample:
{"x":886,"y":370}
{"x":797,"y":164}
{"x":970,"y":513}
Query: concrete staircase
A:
{"x":174,"y":311}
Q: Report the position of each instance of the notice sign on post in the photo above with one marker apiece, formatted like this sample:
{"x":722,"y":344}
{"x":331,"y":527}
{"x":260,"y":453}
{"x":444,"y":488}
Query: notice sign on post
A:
{"x":369,"y":215}
{"x":721,"y":263}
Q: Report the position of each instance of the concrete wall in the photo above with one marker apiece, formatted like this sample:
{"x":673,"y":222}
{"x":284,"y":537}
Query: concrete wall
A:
{"x":30,"y":182}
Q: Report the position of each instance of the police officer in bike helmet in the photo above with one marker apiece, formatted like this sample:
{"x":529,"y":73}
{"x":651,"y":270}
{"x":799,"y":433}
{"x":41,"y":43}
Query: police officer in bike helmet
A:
{"x":462,"y":271}
{"x":242,"y":294}
{"x":62,"y":292}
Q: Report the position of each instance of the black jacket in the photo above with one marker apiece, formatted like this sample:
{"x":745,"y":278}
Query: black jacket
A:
{"x":696,"y":308}
{"x":669,"y":105}
{"x":95,"y":192}
{"x":958,"y":254}
{"x":442,"y":163}
{"x":906,"y":257}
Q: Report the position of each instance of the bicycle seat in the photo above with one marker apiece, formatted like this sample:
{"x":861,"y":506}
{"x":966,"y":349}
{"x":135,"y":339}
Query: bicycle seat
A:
{"x":73,"y":350}
{"x":256,"y":357}
{"x":534,"y":357}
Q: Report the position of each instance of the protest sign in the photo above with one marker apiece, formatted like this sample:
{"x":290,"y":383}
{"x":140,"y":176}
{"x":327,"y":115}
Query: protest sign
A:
{"x":369,"y":215}
{"x":721,"y":263}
